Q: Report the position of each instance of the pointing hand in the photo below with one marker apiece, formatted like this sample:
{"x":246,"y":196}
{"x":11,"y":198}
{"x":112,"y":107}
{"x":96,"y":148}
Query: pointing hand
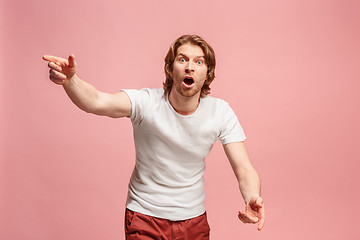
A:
{"x":61,"y":69}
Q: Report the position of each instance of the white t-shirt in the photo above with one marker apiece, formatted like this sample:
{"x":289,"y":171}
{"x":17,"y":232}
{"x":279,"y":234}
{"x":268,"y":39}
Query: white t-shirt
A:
{"x":167,"y":181}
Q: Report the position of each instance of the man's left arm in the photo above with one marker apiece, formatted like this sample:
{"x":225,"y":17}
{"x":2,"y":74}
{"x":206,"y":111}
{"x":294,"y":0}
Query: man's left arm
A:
{"x":249,"y":183}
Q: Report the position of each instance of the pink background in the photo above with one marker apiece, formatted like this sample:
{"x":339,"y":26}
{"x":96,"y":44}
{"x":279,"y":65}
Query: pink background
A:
{"x":290,"y":70}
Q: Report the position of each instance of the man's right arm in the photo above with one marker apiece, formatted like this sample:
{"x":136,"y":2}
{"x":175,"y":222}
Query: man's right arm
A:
{"x":83,"y":94}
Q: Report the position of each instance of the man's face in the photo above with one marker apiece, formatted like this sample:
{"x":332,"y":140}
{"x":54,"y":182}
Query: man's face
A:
{"x":189,"y":70}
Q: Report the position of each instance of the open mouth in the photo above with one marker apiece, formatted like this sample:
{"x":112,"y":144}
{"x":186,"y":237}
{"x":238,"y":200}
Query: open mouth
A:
{"x":188,"y":81}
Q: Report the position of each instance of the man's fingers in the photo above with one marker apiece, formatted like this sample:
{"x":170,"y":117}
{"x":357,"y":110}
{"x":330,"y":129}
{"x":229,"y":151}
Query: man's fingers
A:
{"x":254,"y":212}
{"x":261,"y":217}
{"x":246,"y":218}
{"x":57,"y":74}
{"x":55,"y":59}
{"x":54,"y":66}
{"x":241,"y":217}
{"x":60,"y":68}
{"x":256,"y":203}
{"x":261,"y":223}
{"x":56,"y":80}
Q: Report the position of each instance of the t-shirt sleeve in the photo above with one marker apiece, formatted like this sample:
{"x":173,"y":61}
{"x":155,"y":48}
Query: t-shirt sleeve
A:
{"x":139,"y":99}
{"x":231,"y":130}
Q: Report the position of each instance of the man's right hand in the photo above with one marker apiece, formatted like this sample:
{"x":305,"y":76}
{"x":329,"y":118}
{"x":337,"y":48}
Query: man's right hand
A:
{"x":61,"y":69}
{"x":83,"y":94}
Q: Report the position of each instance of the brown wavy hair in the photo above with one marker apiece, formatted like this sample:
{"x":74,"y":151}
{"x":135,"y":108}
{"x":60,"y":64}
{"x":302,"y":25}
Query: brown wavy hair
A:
{"x":209,"y":61}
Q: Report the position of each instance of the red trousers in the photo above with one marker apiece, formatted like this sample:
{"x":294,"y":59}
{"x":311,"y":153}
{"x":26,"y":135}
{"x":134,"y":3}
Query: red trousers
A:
{"x":143,"y":227}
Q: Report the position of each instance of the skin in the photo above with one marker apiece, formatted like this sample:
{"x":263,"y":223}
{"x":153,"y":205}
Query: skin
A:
{"x":185,"y":99}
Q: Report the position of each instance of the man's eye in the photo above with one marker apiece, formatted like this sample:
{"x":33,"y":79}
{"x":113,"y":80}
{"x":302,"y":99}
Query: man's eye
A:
{"x":182,"y":60}
{"x":200,"y":62}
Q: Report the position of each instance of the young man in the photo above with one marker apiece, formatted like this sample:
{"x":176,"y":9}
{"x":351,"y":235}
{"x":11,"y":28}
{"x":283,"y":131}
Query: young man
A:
{"x":174,"y":130}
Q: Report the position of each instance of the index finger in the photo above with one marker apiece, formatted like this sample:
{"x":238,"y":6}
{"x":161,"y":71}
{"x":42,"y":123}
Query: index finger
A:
{"x":261,"y":218}
{"x":55,"y":59}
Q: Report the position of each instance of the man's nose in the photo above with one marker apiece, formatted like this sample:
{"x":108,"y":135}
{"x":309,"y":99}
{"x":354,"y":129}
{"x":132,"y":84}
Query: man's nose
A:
{"x":189,"y":67}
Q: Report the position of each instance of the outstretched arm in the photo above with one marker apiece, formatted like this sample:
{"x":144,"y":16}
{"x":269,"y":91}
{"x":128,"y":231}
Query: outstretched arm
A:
{"x":249,"y":183}
{"x":83,"y":94}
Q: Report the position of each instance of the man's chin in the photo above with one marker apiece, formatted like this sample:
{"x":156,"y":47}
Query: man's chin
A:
{"x":188,"y":92}
{"x":185,"y":92}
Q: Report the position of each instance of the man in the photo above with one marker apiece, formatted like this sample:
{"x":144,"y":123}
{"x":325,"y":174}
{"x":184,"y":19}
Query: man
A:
{"x":174,"y":130}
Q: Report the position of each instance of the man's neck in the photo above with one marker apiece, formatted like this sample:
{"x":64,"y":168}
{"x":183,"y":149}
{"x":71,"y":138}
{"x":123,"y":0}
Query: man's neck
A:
{"x":183,"y":105}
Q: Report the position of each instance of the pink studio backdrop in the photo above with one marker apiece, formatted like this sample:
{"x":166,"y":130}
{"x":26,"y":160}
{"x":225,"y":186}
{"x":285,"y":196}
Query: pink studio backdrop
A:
{"x":290,"y":70}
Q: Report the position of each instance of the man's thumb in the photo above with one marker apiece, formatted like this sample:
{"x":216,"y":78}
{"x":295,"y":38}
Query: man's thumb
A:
{"x":259,"y":201}
{"x":71,"y":60}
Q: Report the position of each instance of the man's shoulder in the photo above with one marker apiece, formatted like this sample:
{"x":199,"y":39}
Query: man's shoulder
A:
{"x":210,"y":100}
{"x":145,"y":93}
{"x":154,"y":92}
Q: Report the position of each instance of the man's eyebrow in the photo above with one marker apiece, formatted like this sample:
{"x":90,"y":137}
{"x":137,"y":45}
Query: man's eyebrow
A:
{"x":182,"y":54}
